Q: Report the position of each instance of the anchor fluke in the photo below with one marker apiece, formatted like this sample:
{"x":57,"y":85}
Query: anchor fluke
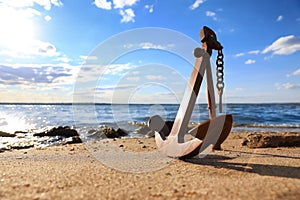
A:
{"x":172,"y":148}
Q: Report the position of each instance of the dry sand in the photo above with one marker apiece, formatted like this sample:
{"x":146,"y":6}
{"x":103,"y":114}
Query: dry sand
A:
{"x":73,"y":172}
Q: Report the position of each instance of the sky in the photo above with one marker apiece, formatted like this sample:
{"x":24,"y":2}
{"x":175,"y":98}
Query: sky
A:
{"x":140,"y":51}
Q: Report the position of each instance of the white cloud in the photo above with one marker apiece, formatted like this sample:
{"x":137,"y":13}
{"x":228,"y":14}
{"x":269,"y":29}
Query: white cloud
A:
{"x":133,"y":78}
{"x":239,"y":54}
{"x":115,"y":87}
{"x":284,"y":46}
{"x":295,"y":73}
{"x":149,"y":8}
{"x":196,"y":4}
{"x":38,"y":82}
{"x":103,"y":4}
{"x":30,"y":49}
{"x":46,"y":4}
{"x":28,"y":75}
{"x":211,"y":14}
{"x":89,"y":57}
{"x":127,"y":15}
{"x":64,"y":59}
{"x":287,"y":86}
{"x":44,"y":49}
{"x":135,"y":72}
{"x":122,"y":3}
{"x":57,"y":3}
{"x":155,"y":78}
{"x":239,"y":89}
{"x":117,"y":69}
{"x":249,"y":62}
{"x":92,"y":72}
{"x":279,"y":18}
{"x":254,"y":52}
{"x":47,"y":18}
{"x":149,"y":45}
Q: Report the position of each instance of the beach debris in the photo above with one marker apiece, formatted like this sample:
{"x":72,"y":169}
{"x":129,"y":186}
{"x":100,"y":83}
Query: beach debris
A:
{"x":64,"y":131}
{"x":5,"y":134}
{"x":272,"y":139}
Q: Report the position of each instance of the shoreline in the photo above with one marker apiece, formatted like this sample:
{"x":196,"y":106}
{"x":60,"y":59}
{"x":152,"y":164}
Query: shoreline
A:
{"x":56,"y":135}
{"x":73,"y":172}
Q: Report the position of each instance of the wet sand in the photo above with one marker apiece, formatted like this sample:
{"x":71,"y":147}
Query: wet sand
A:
{"x":75,"y":172}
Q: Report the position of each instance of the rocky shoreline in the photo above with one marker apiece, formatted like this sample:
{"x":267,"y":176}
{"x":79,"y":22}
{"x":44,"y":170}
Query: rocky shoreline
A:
{"x":52,"y":136}
{"x":62,"y":135}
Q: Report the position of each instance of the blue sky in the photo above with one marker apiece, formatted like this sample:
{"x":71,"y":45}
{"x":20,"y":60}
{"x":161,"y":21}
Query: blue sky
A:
{"x":48,"y":47}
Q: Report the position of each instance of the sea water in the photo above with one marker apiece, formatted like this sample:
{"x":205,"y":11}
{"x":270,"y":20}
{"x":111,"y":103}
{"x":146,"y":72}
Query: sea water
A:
{"x":246,"y":117}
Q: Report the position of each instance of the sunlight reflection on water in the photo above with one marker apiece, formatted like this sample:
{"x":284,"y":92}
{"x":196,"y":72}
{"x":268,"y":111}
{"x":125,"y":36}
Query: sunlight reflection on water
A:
{"x":12,"y":123}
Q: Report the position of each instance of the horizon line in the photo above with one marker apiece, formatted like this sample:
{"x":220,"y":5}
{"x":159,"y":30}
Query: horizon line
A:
{"x":105,"y":103}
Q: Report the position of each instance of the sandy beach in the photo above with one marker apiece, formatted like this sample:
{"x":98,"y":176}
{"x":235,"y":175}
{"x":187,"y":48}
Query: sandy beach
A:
{"x":73,"y":172}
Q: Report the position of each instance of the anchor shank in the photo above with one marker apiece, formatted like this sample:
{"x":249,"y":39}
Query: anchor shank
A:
{"x":210,"y":93}
{"x":190,"y":96}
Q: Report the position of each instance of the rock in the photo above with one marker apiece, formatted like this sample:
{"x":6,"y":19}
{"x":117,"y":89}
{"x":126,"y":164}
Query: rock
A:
{"x":272,"y":139}
{"x":22,"y":132}
{"x":74,"y":140}
{"x":22,"y":145}
{"x":5,"y":134}
{"x":64,"y":131}
{"x":4,"y":148}
{"x":110,"y":132}
{"x":165,"y":130}
{"x":95,"y":134}
{"x":121,"y":132}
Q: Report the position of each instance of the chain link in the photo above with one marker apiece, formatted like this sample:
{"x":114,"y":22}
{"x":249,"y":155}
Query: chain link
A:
{"x":220,"y":77}
{"x":220,"y":72}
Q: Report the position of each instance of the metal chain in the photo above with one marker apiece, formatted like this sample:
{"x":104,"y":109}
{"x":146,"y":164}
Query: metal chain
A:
{"x":220,"y":76}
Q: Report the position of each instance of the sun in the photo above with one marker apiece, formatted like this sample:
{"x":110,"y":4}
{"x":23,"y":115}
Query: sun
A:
{"x":17,"y":29}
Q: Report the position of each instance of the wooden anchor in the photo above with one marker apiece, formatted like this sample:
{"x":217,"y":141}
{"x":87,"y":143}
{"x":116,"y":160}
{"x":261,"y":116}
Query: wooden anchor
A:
{"x":170,"y":141}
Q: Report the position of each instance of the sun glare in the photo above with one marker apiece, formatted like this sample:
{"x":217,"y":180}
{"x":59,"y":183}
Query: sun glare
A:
{"x":17,"y":29}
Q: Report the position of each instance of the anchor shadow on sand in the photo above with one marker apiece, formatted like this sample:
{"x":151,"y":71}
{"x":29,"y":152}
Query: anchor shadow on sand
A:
{"x":227,"y":162}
